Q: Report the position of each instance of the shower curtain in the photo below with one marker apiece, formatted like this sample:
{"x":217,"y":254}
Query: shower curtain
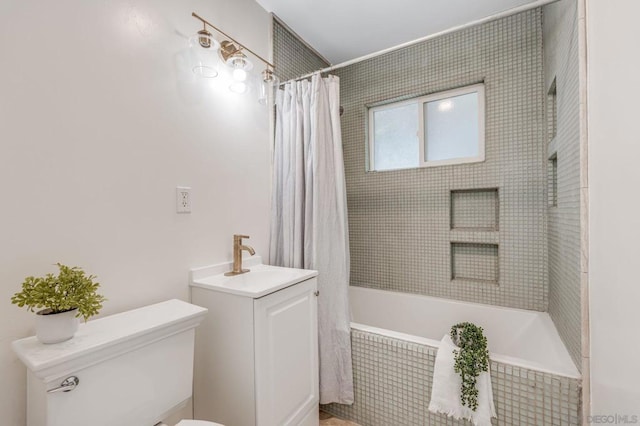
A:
{"x":309,"y":216}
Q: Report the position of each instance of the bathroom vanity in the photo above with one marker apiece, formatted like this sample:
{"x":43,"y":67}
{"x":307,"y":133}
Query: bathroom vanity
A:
{"x":256,"y":361}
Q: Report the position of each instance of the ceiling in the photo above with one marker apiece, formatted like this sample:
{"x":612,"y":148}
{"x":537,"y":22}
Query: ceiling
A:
{"x":341,"y":30}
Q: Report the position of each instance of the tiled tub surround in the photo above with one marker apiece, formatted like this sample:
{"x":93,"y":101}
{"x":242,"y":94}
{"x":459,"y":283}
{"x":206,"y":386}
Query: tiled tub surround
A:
{"x":564,"y":214}
{"x":395,"y":339}
{"x":401,"y":223}
{"x":291,"y":56}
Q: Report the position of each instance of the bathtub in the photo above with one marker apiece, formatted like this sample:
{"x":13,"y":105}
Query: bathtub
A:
{"x":395,"y":338}
{"x":519,"y":337}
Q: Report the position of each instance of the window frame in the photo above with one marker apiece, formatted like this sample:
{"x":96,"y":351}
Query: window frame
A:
{"x":422,"y":142}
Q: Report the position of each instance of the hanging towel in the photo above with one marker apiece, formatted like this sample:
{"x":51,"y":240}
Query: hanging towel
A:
{"x":445,"y":393}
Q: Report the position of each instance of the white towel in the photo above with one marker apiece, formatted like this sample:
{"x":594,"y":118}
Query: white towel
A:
{"x":445,"y":393}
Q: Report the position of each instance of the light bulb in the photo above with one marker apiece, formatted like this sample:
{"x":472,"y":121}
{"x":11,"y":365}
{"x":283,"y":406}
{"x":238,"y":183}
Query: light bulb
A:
{"x":239,"y":74}
{"x":239,"y":62}
{"x":238,"y":87}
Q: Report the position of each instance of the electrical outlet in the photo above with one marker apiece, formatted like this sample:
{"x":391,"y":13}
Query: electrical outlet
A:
{"x":183,"y":199}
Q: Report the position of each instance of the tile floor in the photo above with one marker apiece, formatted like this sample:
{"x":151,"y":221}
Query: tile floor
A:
{"x":327,"y":419}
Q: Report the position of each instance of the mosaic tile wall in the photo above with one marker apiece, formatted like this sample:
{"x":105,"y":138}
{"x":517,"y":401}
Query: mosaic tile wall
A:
{"x":399,"y":221}
{"x":393,"y":379}
{"x":564,"y":239}
{"x":291,"y":56}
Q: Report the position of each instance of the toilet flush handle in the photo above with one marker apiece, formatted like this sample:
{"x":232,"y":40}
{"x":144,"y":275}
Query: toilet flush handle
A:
{"x":67,"y":385}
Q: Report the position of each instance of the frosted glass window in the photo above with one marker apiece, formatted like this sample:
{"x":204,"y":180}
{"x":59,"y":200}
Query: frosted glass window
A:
{"x":439,"y":129}
{"x":396,"y":134}
{"x":451,"y":127}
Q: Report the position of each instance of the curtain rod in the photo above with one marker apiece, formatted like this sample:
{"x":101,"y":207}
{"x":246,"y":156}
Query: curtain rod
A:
{"x":509,"y":12}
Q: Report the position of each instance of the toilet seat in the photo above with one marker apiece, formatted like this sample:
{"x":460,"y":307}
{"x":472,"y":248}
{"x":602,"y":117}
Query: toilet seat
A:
{"x":197,"y":423}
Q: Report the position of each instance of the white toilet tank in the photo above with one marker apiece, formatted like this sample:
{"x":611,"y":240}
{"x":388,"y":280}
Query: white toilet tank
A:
{"x":133,"y":369}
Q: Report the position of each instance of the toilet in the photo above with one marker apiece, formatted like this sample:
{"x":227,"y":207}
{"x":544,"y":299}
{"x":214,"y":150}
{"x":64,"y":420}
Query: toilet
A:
{"x":130,"y":369}
{"x":196,"y":423}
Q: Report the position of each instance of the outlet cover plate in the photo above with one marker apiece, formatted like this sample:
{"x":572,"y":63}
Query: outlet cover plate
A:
{"x":183,"y":199}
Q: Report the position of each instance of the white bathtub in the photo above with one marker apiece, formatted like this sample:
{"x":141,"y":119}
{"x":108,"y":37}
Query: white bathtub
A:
{"x":519,"y":337}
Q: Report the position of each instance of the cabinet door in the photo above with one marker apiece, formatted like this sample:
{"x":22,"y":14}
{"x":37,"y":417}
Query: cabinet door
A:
{"x":286,"y":341}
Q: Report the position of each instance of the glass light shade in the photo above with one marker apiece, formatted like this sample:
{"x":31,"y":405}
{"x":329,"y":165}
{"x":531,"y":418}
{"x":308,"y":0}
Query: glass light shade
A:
{"x":204,"y":60}
{"x":238,"y":61}
{"x":265,"y":88}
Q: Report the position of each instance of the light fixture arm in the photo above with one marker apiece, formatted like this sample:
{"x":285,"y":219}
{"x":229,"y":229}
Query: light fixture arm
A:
{"x":242,"y":46}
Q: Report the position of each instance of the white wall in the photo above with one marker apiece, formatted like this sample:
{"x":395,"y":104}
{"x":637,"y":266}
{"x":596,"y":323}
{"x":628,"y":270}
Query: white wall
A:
{"x":613,"y":34}
{"x":99,"y":122}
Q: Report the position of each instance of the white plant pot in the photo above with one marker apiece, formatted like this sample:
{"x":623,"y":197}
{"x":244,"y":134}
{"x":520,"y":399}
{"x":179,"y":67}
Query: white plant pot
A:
{"x":55,"y":328}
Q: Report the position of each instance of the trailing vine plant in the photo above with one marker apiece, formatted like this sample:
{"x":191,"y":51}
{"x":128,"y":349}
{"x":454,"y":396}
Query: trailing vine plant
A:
{"x":471,"y":360}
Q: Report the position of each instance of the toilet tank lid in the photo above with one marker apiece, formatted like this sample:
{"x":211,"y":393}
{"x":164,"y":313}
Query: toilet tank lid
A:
{"x":108,"y":337}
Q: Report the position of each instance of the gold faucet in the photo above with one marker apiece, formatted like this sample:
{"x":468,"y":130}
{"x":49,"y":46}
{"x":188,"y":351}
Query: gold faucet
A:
{"x":237,"y":255}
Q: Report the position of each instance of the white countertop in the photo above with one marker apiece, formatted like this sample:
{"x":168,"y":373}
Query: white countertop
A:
{"x":258,"y":282}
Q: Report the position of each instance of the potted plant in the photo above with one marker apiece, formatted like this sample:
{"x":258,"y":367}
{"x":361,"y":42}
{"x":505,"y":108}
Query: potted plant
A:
{"x":471,"y":360}
{"x":65,"y":297}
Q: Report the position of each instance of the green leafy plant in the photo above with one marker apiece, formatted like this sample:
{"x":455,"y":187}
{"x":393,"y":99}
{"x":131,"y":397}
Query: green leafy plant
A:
{"x":471,"y":360}
{"x":69,"y":290}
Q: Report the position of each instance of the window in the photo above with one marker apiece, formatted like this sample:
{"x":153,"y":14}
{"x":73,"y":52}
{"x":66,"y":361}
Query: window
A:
{"x":434,"y":130}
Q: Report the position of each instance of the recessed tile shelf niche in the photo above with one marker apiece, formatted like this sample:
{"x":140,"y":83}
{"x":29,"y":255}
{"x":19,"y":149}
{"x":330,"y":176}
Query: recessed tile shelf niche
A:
{"x":474,"y":235}
{"x":475,"y":209}
{"x":476,"y":262}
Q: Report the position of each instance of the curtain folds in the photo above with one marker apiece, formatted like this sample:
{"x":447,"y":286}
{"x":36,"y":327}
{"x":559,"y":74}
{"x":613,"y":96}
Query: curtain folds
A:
{"x":309,"y":216}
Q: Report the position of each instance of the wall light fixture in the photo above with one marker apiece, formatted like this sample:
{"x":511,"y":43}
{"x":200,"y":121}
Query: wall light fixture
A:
{"x":203,"y":48}
{"x":204,"y":57}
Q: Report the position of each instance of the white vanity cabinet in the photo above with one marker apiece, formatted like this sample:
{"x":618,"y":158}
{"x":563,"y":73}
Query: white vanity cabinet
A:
{"x":256,"y":360}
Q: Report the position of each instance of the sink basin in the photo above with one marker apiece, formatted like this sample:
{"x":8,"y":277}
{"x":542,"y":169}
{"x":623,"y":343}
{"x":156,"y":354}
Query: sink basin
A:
{"x":258,"y":282}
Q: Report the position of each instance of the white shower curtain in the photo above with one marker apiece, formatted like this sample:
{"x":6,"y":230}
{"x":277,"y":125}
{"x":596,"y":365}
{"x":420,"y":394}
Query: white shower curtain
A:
{"x":309,"y":216}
